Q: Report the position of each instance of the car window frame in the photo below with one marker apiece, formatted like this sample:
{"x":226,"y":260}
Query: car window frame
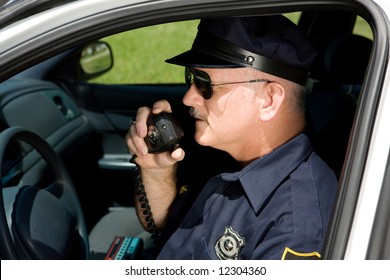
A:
{"x":379,"y":246}
{"x":340,"y":235}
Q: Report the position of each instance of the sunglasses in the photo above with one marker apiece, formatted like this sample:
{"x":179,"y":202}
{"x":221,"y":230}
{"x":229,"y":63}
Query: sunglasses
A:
{"x":203,"y":82}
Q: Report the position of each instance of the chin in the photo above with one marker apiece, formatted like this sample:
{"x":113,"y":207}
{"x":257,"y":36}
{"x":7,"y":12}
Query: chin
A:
{"x":201,"y":139}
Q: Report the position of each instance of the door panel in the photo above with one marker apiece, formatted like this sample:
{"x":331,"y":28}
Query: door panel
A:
{"x":119,"y":103}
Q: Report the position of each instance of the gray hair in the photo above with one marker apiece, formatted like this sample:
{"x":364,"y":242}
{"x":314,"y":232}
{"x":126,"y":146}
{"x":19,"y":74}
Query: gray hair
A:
{"x":295,"y":93}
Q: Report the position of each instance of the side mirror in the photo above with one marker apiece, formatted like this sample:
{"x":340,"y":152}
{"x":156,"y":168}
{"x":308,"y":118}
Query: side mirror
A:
{"x":95,"y":59}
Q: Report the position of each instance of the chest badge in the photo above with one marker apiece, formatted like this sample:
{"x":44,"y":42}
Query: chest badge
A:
{"x":228,"y":246}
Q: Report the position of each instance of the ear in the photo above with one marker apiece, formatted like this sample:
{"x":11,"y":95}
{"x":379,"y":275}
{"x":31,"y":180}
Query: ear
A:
{"x":272,"y":96}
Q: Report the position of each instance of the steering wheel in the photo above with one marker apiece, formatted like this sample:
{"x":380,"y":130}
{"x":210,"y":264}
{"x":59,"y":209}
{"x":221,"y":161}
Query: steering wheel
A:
{"x":43,"y":222}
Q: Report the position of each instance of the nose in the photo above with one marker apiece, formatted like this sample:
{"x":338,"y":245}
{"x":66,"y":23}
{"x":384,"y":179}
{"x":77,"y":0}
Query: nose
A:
{"x":192,"y":97}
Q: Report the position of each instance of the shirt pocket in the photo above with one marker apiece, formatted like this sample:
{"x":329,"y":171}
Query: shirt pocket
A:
{"x":204,"y":251}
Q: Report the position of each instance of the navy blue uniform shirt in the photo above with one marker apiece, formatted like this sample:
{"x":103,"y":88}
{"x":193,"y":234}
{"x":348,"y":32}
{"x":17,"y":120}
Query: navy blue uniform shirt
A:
{"x":278,"y":205}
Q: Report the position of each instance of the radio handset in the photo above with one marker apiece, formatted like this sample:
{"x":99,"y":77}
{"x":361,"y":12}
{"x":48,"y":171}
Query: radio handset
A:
{"x":164,"y":133}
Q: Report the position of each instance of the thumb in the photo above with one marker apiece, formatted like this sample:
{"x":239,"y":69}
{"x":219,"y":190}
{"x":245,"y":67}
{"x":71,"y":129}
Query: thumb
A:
{"x":178,"y":154}
{"x":169,"y":159}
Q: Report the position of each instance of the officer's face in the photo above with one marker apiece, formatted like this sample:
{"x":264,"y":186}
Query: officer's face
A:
{"x":226,"y":120}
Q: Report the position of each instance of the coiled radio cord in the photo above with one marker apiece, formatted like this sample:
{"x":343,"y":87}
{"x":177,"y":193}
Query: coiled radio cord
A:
{"x":142,"y":198}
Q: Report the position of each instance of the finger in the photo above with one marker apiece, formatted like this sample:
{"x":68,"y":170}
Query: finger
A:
{"x":135,"y":144}
{"x":178,"y":154}
{"x":161,"y":106}
{"x":141,"y":128}
{"x":130,"y":146}
{"x":169,"y":159}
{"x":129,"y":140}
{"x":164,"y":160}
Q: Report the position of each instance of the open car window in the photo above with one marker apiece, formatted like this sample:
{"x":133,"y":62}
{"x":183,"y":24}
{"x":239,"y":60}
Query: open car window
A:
{"x":136,"y":58}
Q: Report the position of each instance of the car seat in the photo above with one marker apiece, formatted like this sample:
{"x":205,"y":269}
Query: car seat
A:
{"x":331,"y":106}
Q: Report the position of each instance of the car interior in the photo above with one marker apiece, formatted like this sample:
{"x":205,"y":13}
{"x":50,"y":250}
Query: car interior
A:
{"x":84,"y":162}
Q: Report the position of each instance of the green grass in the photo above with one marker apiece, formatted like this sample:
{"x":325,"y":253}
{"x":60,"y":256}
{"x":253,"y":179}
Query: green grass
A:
{"x":362,"y":28}
{"x":136,"y":59}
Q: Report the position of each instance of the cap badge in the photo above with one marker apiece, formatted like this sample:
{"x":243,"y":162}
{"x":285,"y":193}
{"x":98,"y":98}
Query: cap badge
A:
{"x":229,"y":244}
{"x":249,"y":59}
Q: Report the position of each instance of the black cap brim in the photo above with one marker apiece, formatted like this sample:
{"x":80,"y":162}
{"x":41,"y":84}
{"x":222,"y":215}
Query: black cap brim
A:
{"x":194,"y":58}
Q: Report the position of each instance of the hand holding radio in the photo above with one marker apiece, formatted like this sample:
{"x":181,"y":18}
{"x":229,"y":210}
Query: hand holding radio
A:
{"x":155,"y":134}
{"x":164,"y":133}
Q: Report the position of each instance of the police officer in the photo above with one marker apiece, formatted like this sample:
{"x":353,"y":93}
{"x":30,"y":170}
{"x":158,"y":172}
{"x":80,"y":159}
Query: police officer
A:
{"x":246,"y":78}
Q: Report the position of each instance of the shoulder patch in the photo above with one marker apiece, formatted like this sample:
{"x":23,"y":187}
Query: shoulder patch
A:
{"x":289,"y":254}
{"x":183,"y":189}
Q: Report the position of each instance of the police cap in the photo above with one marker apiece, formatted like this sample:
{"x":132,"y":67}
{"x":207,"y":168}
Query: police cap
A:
{"x":272,"y":44}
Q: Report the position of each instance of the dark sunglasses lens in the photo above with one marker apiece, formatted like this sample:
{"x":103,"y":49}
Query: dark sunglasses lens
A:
{"x":189,"y":77}
{"x":201,"y":80}
{"x":204,"y":88}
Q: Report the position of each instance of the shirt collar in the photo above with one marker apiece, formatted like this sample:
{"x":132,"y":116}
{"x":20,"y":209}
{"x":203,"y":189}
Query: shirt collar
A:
{"x":261,"y":177}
